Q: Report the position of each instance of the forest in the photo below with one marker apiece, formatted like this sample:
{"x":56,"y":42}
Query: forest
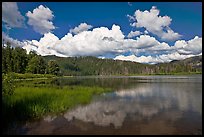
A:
{"x":76,"y":66}
{"x":16,"y":60}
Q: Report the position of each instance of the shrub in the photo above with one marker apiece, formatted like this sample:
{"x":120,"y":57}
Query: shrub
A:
{"x":8,"y":84}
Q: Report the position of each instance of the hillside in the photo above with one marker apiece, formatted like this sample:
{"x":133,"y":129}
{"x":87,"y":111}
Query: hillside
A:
{"x":95,"y":66}
{"x":194,"y":62}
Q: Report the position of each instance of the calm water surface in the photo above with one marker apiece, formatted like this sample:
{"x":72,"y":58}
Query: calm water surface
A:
{"x":137,"y":105}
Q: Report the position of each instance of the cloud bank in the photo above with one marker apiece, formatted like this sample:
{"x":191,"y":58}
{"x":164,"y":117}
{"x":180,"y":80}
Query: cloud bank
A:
{"x":13,"y":42}
{"x":101,"y":41}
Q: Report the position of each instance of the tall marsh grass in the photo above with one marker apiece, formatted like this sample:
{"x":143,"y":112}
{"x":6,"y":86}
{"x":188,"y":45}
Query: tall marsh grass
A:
{"x":30,"y":75}
{"x":29,"y":103}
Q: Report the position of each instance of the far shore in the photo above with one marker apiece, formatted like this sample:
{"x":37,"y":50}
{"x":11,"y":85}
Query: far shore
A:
{"x":41,"y":77}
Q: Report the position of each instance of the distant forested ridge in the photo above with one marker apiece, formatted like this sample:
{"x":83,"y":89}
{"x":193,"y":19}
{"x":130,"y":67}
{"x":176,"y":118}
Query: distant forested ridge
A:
{"x":94,"y":66}
{"x":16,"y":60}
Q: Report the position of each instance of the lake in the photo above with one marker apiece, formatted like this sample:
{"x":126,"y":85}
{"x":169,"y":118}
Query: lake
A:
{"x":137,"y":105}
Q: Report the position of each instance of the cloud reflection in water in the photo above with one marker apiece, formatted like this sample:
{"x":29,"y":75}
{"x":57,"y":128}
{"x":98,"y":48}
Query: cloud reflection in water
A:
{"x":143,"y":101}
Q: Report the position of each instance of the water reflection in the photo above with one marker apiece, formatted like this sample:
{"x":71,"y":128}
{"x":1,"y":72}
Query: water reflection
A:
{"x":145,"y":105}
{"x":144,"y":101}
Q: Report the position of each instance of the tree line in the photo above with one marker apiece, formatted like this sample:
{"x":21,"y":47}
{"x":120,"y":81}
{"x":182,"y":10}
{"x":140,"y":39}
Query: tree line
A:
{"x":18,"y":61}
{"x":94,"y":66}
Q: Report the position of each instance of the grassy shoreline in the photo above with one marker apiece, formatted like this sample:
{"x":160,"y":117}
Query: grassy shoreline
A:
{"x":31,"y":103}
{"x":29,"y":76}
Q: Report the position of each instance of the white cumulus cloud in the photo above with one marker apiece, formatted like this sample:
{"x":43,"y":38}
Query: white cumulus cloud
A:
{"x":141,"y":59}
{"x":145,"y":41}
{"x":11,"y":15}
{"x":154,"y":59}
{"x":41,"y":19}
{"x":133,"y":34}
{"x":162,"y":52}
{"x":98,"y":42}
{"x":152,"y":22}
{"x":45,"y":46}
{"x":193,"y":46}
{"x":82,"y":27}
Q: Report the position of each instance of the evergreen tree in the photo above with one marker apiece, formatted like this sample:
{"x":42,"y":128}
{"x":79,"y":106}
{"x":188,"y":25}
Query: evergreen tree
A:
{"x":36,"y":65}
{"x":8,"y":60}
{"x":4,"y":64}
{"x":52,"y":67}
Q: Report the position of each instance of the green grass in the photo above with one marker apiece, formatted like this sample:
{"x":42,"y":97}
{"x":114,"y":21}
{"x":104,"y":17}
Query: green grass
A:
{"x":31,"y":76}
{"x":35,"y":102}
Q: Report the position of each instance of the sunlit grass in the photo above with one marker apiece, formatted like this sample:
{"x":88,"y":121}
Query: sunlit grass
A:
{"x":30,"y":75}
{"x":35,"y":102}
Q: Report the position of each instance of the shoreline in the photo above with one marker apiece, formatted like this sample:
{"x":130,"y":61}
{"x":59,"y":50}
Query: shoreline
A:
{"x":106,"y":76}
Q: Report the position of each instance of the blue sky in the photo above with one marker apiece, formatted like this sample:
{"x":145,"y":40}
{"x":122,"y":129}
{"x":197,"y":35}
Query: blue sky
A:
{"x":186,"y":19}
{"x":187,"y":16}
